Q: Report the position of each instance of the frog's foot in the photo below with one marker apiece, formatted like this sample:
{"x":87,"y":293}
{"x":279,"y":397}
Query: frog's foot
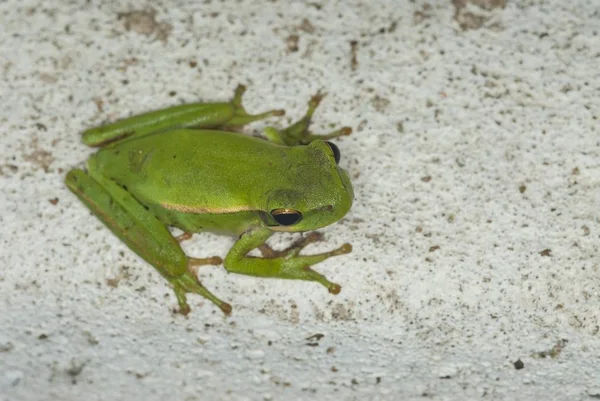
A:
{"x":184,"y":237}
{"x":298,"y":133}
{"x":304,"y":271}
{"x":298,"y":267}
{"x":344,"y":131}
{"x":188,"y":283}
{"x":286,"y":264}
{"x":194,"y":263}
{"x":241,"y":117}
{"x":293,"y":249}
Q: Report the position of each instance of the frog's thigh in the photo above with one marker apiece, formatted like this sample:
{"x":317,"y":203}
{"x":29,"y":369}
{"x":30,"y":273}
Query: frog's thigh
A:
{"x":130,"y":221}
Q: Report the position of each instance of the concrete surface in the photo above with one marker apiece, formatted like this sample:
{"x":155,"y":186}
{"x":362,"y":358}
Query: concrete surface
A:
{"x":476,"y":166}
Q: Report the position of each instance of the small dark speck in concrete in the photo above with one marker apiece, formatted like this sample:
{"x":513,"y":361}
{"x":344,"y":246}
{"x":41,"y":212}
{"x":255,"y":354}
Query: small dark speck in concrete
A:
{"x":518,"y":364}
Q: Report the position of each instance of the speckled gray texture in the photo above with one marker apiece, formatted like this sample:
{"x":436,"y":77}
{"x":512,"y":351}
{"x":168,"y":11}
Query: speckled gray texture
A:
{"x":476,"y":166}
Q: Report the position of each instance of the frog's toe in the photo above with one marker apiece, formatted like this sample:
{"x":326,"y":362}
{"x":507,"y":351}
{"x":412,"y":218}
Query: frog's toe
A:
{"x":315,"y":236}
{"x":334,"y":288}
{"x":344,"y":249}
{"x":226,"y":308}
{"x":301,"y":243}
{"x":314,"y":102}
{"x":183,"y":310}
{"x":187,"y":283}
{"x":184,"y":237}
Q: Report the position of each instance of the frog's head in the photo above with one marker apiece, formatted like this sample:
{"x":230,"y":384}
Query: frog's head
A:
{"x":314,"y":191}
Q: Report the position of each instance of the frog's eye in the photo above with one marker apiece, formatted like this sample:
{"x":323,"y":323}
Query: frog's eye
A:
{"x":286,"y":217}
{"x":335,"y":150}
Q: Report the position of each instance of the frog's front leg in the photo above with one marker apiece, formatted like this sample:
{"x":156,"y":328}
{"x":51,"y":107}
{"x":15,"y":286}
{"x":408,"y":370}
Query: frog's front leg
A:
{"x":143,"y":233}
{"x":298,"y":133}
{"x":194,"y":115}
{"x":287,"y":264}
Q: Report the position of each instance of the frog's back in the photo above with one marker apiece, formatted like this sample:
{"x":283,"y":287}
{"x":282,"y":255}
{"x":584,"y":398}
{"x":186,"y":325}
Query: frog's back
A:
{"x":194,"y":171}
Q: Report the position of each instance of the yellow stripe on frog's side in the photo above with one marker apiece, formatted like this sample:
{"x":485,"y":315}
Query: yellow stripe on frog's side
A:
{"x":205,"y":210}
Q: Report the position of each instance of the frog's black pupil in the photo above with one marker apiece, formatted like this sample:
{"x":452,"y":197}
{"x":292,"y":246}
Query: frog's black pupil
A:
{"x":287,"y":219}
{"x":336,"y":152}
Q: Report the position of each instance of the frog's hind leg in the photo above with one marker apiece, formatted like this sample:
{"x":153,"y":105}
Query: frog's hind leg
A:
{"x":298,"y":133}
{"x":143,"y":233}
{"x":241,"y":116}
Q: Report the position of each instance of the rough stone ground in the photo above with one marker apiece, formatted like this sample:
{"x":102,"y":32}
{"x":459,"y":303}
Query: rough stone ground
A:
{"x":476,"y":166}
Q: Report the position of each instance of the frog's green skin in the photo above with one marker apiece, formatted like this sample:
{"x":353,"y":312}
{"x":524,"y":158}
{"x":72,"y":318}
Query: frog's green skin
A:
{"x":179,"y":167}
